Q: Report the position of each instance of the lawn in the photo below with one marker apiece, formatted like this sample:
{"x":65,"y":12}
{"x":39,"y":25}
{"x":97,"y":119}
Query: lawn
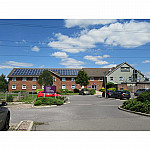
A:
{"x":29,"y":99}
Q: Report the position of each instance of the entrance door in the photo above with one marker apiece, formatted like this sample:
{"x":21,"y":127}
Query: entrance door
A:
{"x":94,"y":87}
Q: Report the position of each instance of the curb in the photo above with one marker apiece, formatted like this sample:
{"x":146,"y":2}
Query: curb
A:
{"x":30,"y":127}
{"x":138,"y":113}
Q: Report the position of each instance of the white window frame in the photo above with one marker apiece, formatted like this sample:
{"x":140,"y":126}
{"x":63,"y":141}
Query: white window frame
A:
{"x":130,"y":78}
{"x":73,"y":79}
{"x":111,"y":78}
{"x":14,"y":79}
{"x":121,"y":78}
{"x":73,"y":85}
{"x":34,"y":79}
{"x":100,"y":78}
{"x":54,"y":79}
{"x":63,"y":79}
{"x":14,"y":88}
{"x":23,"y":87}
{"x":63,"y":86}
{"x":34,"y":88}
{"x":91,"y":79}
{"x":24,"y":79}
{"x":42,"y":86}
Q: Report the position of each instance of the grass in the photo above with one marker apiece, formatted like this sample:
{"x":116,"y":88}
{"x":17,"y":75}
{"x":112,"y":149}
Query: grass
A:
{"x":73,"y":93}
{"x":29,"y":99}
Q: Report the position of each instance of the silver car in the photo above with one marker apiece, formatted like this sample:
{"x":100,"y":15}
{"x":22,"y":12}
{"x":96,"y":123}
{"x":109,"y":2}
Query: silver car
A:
{"x":139,"y":91}
{"x":4,"y":117}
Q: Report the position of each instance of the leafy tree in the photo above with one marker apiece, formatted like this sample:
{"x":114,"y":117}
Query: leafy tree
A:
{"x":45,"y":78}
{"x":109,"y":85}
{"x":146,"y":79}
{"x":82,"y":78}
{"x":3,"y":83}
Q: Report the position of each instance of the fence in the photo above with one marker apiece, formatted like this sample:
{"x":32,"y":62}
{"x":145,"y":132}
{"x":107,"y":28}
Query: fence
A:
{"x":16,"y":96}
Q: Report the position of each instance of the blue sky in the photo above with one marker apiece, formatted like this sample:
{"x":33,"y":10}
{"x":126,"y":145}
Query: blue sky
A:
{"x":74,"y":44}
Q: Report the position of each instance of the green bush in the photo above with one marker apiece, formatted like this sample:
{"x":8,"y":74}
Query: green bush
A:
{"x":63,"y":91}
{"x":9,"y":98}
{"x":113,"y":89}
{"x":33,"y":92}
{"x":38,"y":102}
{"x":15,"y":91}
{"x":76,"y":90}
{"x":39,"y":90}
{"x":59,"y":102}
{"x":144,"y":96}
{"x":102,"y":90}
{"x":91,"y":92}
{"x":70,"y":92}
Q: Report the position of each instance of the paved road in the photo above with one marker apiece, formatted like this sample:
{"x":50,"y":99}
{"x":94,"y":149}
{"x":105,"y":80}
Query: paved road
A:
{"x":83,"y":113}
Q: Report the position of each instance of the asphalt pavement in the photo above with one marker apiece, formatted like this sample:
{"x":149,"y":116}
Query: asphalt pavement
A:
{"x":84,"y":113}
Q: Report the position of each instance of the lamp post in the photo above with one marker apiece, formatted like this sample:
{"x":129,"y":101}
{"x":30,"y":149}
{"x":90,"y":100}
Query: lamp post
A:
{"x":105,"y":82}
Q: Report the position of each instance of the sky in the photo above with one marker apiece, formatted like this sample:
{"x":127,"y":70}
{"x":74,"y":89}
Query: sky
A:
{"x":74,"y":43}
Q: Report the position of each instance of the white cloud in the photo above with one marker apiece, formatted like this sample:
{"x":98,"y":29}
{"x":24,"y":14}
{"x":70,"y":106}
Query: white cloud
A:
{"x":86,"y":22}
{"x":5,"y":67}
{"x":71,"y":63}
{"x":97,"y":59}
{"x":128,"y":34}
{"x":20,"y":64}
{"x":146,"y":61}
{"x":110,"y":66}
{"x":60,"y":55}
{"x":147,"y":74}
{"x":42,"y":66}
{"x":35,"y":49}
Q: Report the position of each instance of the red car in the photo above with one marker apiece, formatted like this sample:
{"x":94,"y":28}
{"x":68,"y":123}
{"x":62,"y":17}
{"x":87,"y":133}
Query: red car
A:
{"x":41,"y":94}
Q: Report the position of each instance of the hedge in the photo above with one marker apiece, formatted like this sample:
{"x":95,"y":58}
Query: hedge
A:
{"x":145,"y":96}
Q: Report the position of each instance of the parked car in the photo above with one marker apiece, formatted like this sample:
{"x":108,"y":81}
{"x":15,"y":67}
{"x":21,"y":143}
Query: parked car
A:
{"x":4,"y":117}
{"x":42,"y":94}
{"x":109,"y":94}
{"x":84,"y":92}
{"x":139,"y":91}
{"x":122,"y":94}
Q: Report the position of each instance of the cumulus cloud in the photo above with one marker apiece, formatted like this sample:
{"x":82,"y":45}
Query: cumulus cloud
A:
{"x":20,"y":64}
{"x":110,"y":66}
{"x":128,"y":35}
{"x":146,"y":61}
{"x":71,"y":63}
{"x":97,"y":59}
{"x":60,"y":55}
{"x":5,"y":67}
{"x":86,"y":22}
{"x":35,"y":49}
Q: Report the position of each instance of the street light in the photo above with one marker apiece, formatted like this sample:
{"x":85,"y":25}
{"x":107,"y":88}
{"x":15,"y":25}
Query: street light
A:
{"x":105,"y":82}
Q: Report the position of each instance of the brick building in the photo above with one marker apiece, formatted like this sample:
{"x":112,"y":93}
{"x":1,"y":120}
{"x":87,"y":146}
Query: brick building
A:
{"x":25,"y":79}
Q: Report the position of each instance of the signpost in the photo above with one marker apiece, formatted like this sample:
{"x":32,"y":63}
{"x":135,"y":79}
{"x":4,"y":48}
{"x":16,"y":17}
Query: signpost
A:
{"x":50,"y":89}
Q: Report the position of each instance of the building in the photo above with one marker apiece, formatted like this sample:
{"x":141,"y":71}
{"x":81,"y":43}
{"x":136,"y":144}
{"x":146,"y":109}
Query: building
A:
{"x":25,"y":79}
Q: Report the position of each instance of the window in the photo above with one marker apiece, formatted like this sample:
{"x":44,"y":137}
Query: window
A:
{"x":24,"y":79}
{"x":23,"y":86}
{"x":13,"y":87}
{"x":73,"y":86}
{"x":63,"y":86}
{"x":92,"y":79}
{"x":14,"y":79}
{"x":54,"y":79}
{"x":121,"y":78}
{"x":72,"y":79}
{"x":130,"y":78}
{"x":82,"y":86}
{"x":33,"y":87}
{"x":101,"y":79}
{"x":34,"y":79}
{"x":63,"y":79}
{"x":42,"y":86}
{"x":111,"y":78}
{"x":125,"y":69}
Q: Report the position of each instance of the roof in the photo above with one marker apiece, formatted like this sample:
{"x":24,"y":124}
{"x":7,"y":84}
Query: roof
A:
{"x":115,"y":68}
{"x":30,"y":72}
{"x":96,"y":72}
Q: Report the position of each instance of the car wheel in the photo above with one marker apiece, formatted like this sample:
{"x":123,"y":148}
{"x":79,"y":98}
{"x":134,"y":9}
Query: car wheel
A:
{"x":6,"y":127}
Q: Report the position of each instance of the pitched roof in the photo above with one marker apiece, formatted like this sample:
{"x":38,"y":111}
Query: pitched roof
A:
{"x":96,"y":72}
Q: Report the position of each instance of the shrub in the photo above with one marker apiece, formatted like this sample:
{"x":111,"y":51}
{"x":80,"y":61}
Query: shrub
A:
{"x":70,"y":92}
{"x":59,"y":102}
{"x":33,"y":92}
{"x":102,"y":89}
{"x":92,"y":92}
{"x":9,"y":98}
{"x":144,"y":96}
{"x":113,"y":89}
{"x":38,"y":102}
{"x":76,"y":90}
{"x":62,"y":91}
{"x":15,"y":91}
{"x":39,"y":90}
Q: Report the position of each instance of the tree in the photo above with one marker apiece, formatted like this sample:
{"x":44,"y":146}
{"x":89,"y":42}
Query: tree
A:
{"x":146,"y":79}
{"x":45,"y":78}
{"x":82,"y":78}
{"x":109,"y":85}
{"x":3,"y":83}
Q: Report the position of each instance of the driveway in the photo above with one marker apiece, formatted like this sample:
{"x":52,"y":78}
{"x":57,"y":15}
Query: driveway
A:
{"x":83,"y":113}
